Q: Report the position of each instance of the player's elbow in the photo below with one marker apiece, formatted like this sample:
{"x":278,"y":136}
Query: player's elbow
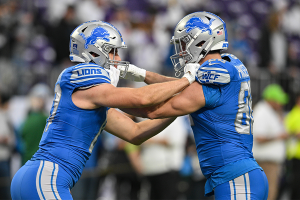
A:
{"x":153,"y":115}
{"x":136,"y":141}
{"x":146,"y":101}
{"x":135,"y":136}
{"x":141,"y":101}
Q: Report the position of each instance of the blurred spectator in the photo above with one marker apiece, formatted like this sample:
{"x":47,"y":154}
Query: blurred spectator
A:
{"x":133,"y":153}
{"x":292,"y":122}
{"x":118,"y":165}
{"x":293,"y":59}
{"x":129,"y":181}
{"x":9,"y":17}
{"x":292,"y":16}
{"x":162,"y":157}
{"x":6,"y":146}
{"x":91,"y":10}
{"x":34,"y":124}
{"x":8,"y":76}
{"x":61,"y":34}
{"x":273,"y":45}
{"x":143,"y":43}
{"x":240,"y":46}
{"x":269,"y":135}
{"x":192,"y":183}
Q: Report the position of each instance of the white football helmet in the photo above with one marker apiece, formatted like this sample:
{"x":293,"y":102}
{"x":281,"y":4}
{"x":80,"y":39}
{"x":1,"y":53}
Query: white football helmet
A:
{"x":194,"y":36}
{"x":96,"y":38}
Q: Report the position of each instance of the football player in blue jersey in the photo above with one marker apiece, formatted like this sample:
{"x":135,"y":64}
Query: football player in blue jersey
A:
{"x":84,"y":102}
{"x":220,"y":106}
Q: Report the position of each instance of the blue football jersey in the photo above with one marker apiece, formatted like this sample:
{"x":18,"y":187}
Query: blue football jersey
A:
{"x":71,"y":132}
{"x":223,"y":128}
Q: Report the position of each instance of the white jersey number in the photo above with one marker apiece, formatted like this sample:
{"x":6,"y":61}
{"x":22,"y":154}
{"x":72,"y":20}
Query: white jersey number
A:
{"x":244,"y":119}
{"x":96,"y":137}
{"x":56,"y":101}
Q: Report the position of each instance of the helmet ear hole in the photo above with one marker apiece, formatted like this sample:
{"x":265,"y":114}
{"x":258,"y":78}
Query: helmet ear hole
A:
{"x":94,"y":54}
{"x":113,"y":51}
{"x":200,"y":43}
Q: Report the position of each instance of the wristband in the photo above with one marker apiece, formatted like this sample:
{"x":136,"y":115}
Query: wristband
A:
{"x":189,"y":77}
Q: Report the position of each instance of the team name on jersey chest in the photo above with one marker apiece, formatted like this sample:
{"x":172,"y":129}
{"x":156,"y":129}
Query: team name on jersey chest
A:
{"x":88,"y":71}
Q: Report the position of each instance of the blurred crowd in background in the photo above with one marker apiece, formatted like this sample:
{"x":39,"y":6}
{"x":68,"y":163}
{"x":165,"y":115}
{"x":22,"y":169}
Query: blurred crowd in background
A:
{"x":34,"y":49}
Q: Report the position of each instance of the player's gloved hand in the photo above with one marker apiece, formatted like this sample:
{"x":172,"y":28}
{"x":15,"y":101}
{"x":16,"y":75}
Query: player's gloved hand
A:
{"x":134,"y":73}
{"x":190,"y":70}
{"x":114,"y":74}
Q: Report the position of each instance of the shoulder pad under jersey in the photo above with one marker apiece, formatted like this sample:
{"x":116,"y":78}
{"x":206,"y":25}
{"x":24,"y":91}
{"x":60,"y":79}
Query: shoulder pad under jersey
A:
{"x":213,"y":71}
{"x":241,"y":70}
{"x":86,"y":75}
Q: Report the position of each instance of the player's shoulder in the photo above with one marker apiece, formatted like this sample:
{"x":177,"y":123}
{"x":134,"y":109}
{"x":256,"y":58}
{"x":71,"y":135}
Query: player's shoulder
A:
{"x":214,"y":71}
{"x":238,"y":68}
{"x":229,"y":57}
{"x":88,"y":69}
{"x":85,"y":71}
{"x":84,"y":75}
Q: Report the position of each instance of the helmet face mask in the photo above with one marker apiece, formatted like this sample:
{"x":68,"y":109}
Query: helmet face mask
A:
{"x":194,"y":36}
{"x":114,"y":62}
{"x":93,"y":41}
{"x":181,"y":55}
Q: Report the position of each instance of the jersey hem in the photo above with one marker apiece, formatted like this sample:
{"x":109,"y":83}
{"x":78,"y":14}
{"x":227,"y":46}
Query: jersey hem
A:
{"x":229,"y":172}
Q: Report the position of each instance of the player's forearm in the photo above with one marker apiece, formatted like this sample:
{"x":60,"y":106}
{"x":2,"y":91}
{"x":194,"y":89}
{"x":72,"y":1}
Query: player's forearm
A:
{"x":160,"y":92}
{"x":150,"y":128}
{"x":141,"y":112}
{"x":152,"y":77}
{"x":138,"y":112}
{"x":135,"y":73}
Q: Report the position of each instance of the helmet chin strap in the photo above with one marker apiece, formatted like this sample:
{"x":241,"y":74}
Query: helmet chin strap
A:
{"x":181,"y":62}
{"x":207,"y":47}
{"x":87,"y":58}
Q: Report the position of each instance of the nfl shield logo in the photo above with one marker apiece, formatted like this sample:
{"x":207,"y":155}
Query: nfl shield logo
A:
{"x":75,"y":51}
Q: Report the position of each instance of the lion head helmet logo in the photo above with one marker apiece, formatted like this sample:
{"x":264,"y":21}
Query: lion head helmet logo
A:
{"x":97,"y":33}
{"x":196,"y":22}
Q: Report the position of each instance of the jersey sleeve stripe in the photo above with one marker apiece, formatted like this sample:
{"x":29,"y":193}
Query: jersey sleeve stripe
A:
{"x":86,"y":65}
{"x":212,"y":69}
{"x":91,"y":77}
{"x":88,"y":76}
{"x":88,"y":79}
{"x":212,"y":82}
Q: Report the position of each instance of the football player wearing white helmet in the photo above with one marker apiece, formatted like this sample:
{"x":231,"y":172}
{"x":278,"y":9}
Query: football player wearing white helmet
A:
{"x":93,"y":41}
{"x":220,"y":106}
{"x":84,"y":102}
